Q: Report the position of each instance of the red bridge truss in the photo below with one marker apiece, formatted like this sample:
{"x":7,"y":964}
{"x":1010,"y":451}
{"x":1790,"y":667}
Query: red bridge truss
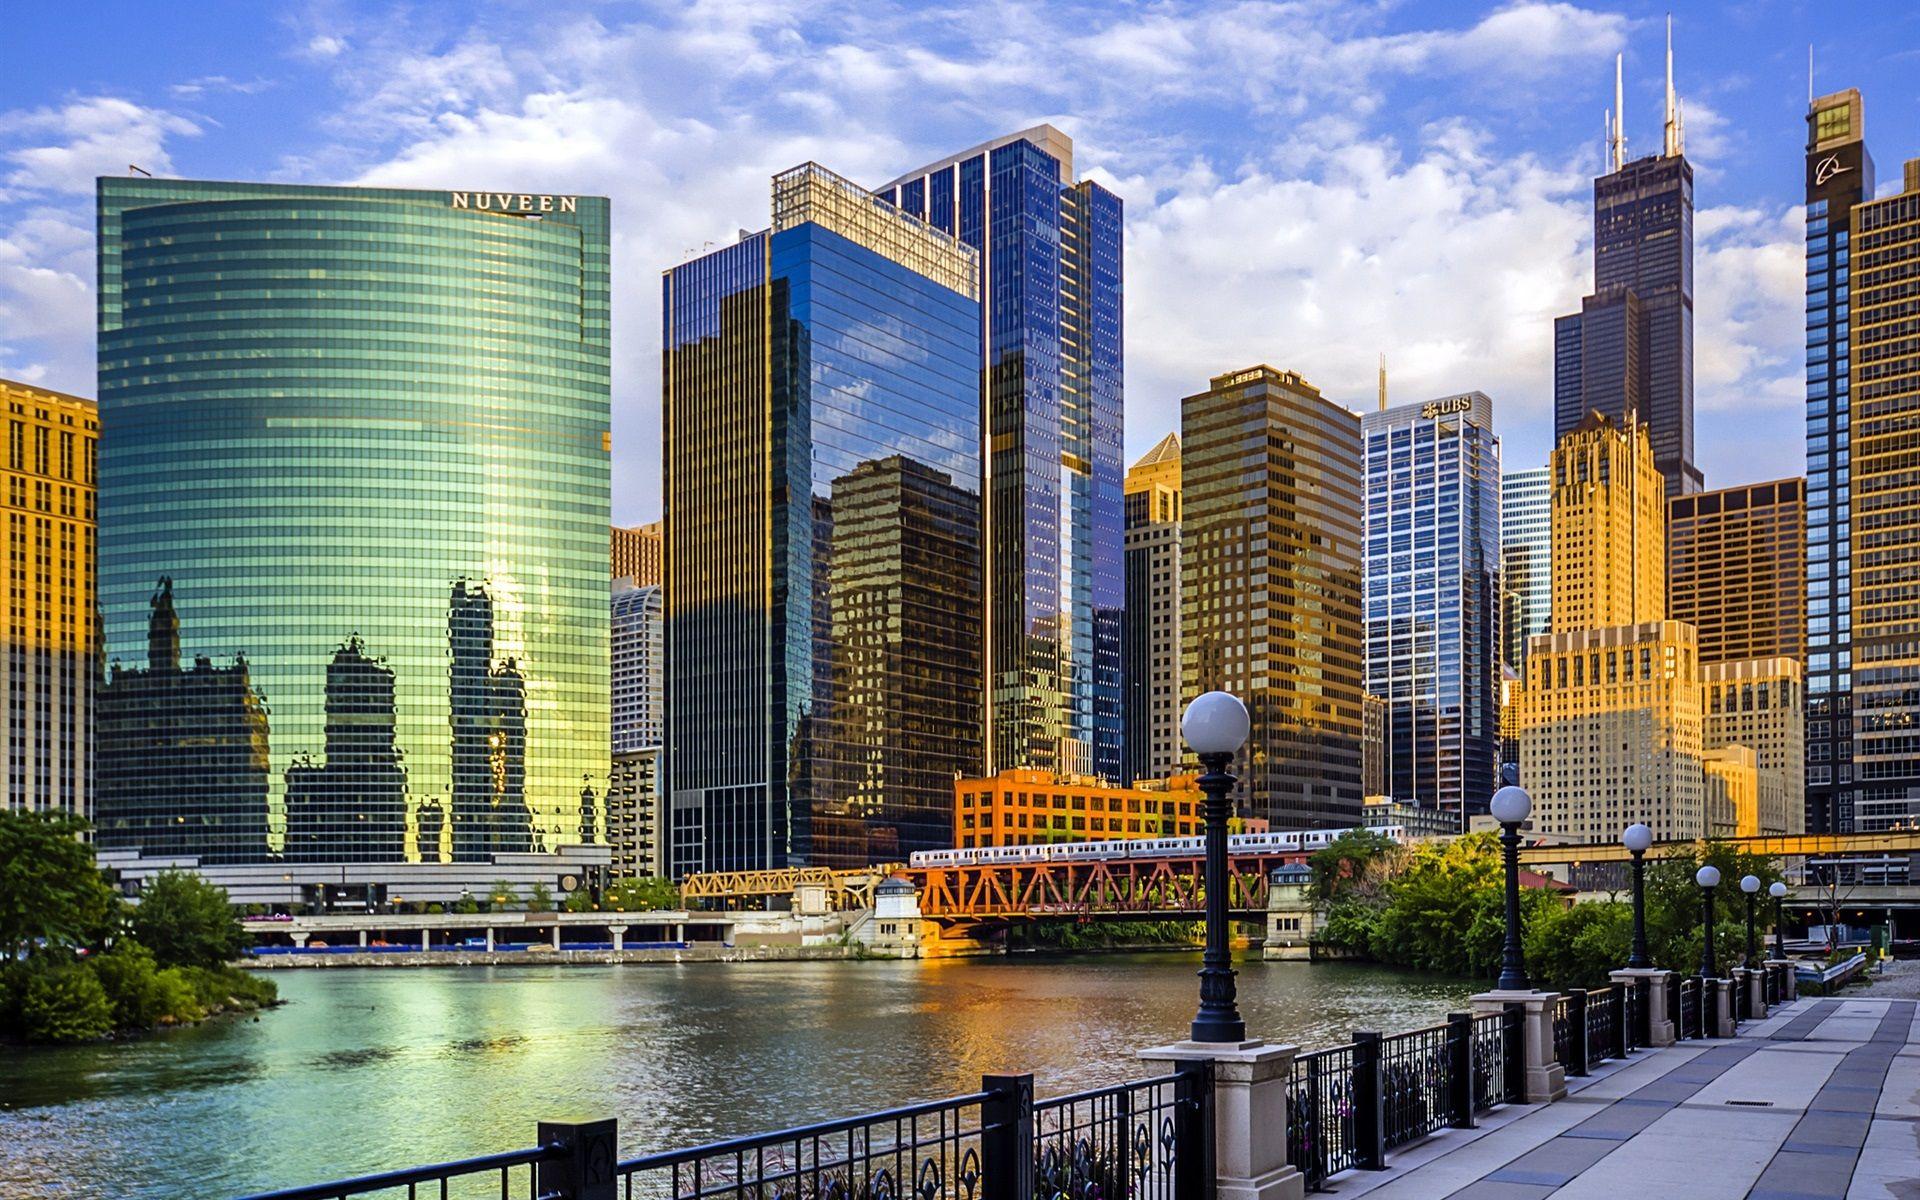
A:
{"x":1105,"y":887}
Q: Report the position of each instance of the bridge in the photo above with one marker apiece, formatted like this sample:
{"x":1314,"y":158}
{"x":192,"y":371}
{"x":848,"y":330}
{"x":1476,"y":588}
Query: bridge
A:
{"x":1804,"y":845}
{"x":842,"y":890}
{"x":1102,"y":887}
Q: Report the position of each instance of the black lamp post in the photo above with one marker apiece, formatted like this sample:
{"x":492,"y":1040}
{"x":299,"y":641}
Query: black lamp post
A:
{"x":1216,"y":726}
{"x":1636,"y":838}
{"x":1778,"y":891}
{"x":1750,"y":884}
{"x":1510,"y":807}
{"x":1708,"y":877}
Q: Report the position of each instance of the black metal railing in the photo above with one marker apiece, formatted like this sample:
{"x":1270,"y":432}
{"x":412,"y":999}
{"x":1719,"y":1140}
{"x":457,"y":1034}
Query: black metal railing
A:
{"x":1770,"y":984}
{"x":1320,"y":1114}
{"x":1563,"y":1030}
{"x":1690,"y":1008}
{"x":514,"y":1175}
{"x":1415,"y":1083}
{"x":1603,"y":1027}
{"x":1492,"y":1039}
{"x":1125,"y":1141}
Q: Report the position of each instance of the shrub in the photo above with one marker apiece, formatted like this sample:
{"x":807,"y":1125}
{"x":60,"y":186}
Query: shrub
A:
{"x":178,"y":1004}
{"x":65,"y":1004}
{"x":131,"y":981}
{"x":188,"y":922}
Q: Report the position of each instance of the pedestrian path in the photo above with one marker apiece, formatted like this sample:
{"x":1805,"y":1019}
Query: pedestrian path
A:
{"x":1820,"y":1101}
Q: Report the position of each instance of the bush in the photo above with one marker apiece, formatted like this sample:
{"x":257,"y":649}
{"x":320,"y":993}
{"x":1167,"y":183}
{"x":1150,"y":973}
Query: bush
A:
{"x":1578,"y":946}
{"x":65,"y":1004}
{"x":223,"y":987}
{"x":130,"y":978}
{"x":188,"y":922}
{"x":178,"y":1004}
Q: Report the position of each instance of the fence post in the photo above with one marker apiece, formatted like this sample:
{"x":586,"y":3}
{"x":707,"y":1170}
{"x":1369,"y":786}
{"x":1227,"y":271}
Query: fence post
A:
{"x":1513,"y":1019}
{"x":1460,"y":1073}
{"x":1369,"y":1112}
{"x":1006,"y":1136}
{"x":1677,"y":1007}
{"x":1622,"y":1034}
{"x":1576,"y":1031}
{"x":583,"y":1167}
{"x":1193,"y":1173}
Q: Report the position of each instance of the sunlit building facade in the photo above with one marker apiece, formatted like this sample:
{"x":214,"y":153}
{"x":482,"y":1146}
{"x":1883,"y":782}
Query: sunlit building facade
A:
{"x":1737,"y":569}
{"x":52,"y":633}
{"x":1028,"y":808}
{"x":822,"y":440}
{"x":354,"y":515}
{"x":1526,"y":560}
{"x":1154,"y":702}
{"x":636,"y":553}
{"x":1273,"y":487}
{"x":1050,"y":389}
{"x":1760,"y":704}
{"x":1433,"y":598}
{"x":1609,"y":528}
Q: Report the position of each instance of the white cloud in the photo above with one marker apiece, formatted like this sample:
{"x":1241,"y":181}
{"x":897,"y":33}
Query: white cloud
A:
{"x":212,"y":84}
{"x":99,"y":135}
{"x":325,"y":45}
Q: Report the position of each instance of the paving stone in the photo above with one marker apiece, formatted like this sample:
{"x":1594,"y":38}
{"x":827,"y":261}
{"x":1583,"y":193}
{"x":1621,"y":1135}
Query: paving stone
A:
{"x":1793,"y":1174}
{"x":1488,"y":1189}
{"x":1831,"y":1129}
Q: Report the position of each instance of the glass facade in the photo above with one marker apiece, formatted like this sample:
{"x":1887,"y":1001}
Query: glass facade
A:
{"x":1839,"y":178}
{"x":822,"y":446}
{"x":1051,"y":397}
{"x":1630,"y":348}
{"x":1154,"y":749}
{"x":1433,"y":599}
{"x":353,"y":561}
{"x":1526,"y":558}
{"x":1273,"y":499}
{"x":639,"y":666}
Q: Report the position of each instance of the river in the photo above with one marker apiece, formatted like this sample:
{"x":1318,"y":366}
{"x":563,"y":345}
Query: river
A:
{"x":369,"y":1069}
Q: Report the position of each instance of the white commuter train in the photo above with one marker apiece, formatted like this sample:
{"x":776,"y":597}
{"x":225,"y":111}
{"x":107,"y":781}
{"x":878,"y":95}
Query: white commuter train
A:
{"x":1180,"y":847}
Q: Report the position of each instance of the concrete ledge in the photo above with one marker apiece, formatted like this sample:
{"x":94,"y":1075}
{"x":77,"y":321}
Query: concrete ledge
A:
{"x":520,"y":958}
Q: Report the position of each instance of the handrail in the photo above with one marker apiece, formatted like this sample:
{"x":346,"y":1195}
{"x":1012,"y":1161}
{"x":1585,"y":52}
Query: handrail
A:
{"x":409,"y":1176}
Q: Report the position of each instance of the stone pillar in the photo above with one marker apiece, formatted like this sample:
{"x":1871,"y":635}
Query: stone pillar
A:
{"x":556,"y":936}
{"x":1653,"y":990}
{"x":1546,"y":1076}
{"x":1250,"y":1081}
{"x":1757,"y":994}
{"x":363,"y":939}
{"x":1719,"y":999}
{"x":426,"y":939}
{"x":1789,"y":983}
{"x":619,"y":933}
{"x":489,"y":939}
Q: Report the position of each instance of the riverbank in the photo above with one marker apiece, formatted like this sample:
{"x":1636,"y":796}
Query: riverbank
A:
{"x":694,"y":953}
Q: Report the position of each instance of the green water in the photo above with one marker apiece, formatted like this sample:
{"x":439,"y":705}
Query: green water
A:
{"x":371,"y":1069}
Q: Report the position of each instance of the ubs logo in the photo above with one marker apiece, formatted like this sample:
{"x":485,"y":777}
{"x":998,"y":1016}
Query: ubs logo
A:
{"x":1451,"y":406}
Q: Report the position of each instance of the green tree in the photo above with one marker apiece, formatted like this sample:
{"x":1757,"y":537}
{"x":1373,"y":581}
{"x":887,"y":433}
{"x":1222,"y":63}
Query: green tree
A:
{"x":188,"y":922}
{"x":50,"y":891}
{"x":539,"y":898}
{"x":1435,"y":902}
{"x":1359,"y":860}
{"x":501,"y":896}
{"x":466,"y":903}
{"x":1578,"y":946}
{"x":65,"y":1004}
{"x":640,"y":895}
{"x":131,"y":980}
{"x":1674,"y":906}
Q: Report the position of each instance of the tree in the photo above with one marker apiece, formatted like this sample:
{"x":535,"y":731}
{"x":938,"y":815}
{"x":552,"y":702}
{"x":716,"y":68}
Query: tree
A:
{"x":50,"y":891}
{"x":539,"y":898}
{"x":640,"y":895}
{"x":501,"y":896}
{"x":65,"y":1004}
{"x":131,"y":980}
{"x":188,"y":922}
{"x":1578,"y":946}
{"x":1357,"y":860}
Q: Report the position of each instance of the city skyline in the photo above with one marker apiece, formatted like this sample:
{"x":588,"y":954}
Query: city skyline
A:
{"x":1411,"y":151}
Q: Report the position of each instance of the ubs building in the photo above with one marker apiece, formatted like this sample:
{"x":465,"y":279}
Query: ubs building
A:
{"x":354,"y":507}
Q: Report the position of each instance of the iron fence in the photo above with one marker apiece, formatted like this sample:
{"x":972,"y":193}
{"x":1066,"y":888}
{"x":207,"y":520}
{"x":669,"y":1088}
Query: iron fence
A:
{"x":1128,"y":1142}
{"x":514,"y":1175}
{"x":1562,"y":1028}
{"x":1416,"y":1079}
{"x":1495,"y":1036}
{"x":1603,"y":1025}
{"x":1688,"y":1025}
{"x":1321,"y":1106}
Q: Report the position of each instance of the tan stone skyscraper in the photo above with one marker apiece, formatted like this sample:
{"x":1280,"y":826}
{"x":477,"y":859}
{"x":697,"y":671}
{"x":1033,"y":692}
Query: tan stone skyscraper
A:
{"x":1737,"y":569}
{"x":52,"y":635}
{"x":1609,"y":528}
{"x":1150,"y":640}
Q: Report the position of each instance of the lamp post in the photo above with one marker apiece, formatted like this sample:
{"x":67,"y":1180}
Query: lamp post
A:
{"x":1215,"y":726}
{"x":1750,"y":884}
{"x":1708,"y":877}
{"x":1510,"y":807}
{"x":1636,"y":838}
{"x":1778,"y":891}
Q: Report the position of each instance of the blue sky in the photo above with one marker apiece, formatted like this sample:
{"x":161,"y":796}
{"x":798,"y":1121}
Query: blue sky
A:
{"x":1308,"y":183}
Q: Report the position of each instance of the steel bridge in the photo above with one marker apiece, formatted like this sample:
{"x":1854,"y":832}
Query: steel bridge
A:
{"x":845,"y":889}
{"x":1804,"y":845}
{"x":1104,"y":887}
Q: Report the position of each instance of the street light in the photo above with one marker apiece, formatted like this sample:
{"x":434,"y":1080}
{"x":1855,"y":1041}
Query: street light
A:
{"x":1778,"y":891}
{"x":1750,"y":884}
{"x":1708,"y":877}
{"x":1636,"y":838}
{"x":1510,"y":806}
{"x":1215,"y":726}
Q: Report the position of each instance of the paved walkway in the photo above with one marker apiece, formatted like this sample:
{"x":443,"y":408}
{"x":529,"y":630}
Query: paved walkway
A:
{"x":1821,"y":1101}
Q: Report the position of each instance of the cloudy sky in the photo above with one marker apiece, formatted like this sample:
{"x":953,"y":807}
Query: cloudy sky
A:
{"x":1309,"y":183}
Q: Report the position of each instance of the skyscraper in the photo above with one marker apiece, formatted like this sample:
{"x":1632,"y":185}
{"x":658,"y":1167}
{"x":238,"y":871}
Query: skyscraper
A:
{"x":1839,"y":178}
{"x":1526,"y":557}
{"x":53,"y":641}
{"x":1270,"y":564}
{"x":1154,"y":701}
{"x":1886,"y":508}
{"x":1609,"y":528}
{"x":1433,"y":598}
{"x":1737,"y":569}
{"x":636,"y":553}
{"x":1628,"y":352}
{"x":822,"y":400}
{"x":1050,"y":399}
{"x":1760,"y":704}
{"x":639,"y":666}
{"x":360,"y":433}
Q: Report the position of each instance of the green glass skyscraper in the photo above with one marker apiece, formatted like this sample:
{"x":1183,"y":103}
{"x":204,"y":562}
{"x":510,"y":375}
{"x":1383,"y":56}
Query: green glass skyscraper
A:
{"x":354,"y":460}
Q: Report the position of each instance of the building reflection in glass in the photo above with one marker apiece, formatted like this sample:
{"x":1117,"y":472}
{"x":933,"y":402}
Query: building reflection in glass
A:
{"x":354,"y":807}
{"x":181,"y":755}
{"x":489,"y":716}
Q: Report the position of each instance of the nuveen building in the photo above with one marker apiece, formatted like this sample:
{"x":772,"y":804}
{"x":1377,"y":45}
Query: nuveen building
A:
{"x":1433,"y":599}
{"x":822,"y":440}
{"x":353,"y":572}
{"x":1050,"y":402}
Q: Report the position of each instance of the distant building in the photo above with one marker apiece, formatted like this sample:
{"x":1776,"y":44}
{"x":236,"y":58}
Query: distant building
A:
{"x":1526,"y":557}
{"x":1374,"y":754}
{"x":824,"y":649}
{"x":1154,"y":701}
{"x":639,"y":667}
{"x":1270,"y":562}
{"x":1886,"y":510}
{"x":1609,"y":528}
{"x":1433,"y":598}
{"x":1760,"y":704}
{"x":633,"y":813}
{"x":53,"y":643}
{"x":1732,"y":792}
{"x":1049,"y":380}
{"x":1023,"y":808}
{"x":636,"y":554}
{"x":1737,"y":569}
{"x":1381,"y":812}
{"x":1839,"y":179}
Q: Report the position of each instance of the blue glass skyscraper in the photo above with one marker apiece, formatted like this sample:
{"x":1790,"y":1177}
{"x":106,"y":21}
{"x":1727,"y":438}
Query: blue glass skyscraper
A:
{"x":1433,"y":597}
{"x":1050,"y":401}
{"x":822,"y":442}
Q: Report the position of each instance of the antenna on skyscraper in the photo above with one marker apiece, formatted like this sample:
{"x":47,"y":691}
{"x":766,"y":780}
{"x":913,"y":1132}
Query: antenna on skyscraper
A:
{"x":1809,"y":74}
{"x":1617,"y":145}
{"x":1383,"y":381}
{"x":1675,"y":136}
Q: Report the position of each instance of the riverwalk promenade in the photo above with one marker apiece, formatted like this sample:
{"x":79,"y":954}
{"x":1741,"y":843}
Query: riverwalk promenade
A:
{"x":1819,"y":1101}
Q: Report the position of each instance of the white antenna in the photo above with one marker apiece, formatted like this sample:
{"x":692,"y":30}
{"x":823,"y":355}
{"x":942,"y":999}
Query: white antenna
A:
{"x":1617,"y":149}
{"x":1672,"y":147}
{"x":1809,"y":74}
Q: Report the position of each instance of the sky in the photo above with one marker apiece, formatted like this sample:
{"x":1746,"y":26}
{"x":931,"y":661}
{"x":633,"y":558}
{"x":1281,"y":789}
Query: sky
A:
{"x":1308,"y":183}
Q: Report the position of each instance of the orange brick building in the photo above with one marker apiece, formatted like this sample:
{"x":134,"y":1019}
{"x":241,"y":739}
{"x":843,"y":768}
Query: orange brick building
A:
{"x":1023,"y":808}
